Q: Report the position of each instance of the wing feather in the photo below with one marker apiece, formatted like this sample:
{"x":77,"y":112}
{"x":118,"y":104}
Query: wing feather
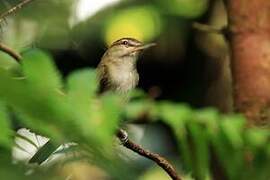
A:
{"x":104,"y":83}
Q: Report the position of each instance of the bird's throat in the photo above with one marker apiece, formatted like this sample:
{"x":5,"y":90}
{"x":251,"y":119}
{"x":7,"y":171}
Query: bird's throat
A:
{"x":123,"y":76}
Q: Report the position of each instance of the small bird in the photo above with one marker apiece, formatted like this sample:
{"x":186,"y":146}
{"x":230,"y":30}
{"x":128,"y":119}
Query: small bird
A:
{"x":116,"y":72}
{"x":117,"y":69}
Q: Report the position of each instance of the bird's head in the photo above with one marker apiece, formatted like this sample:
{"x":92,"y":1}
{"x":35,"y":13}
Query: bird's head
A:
{"x":127,"y":47}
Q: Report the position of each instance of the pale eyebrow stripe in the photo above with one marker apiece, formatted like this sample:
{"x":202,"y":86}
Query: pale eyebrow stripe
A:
{"x":131,"y":42}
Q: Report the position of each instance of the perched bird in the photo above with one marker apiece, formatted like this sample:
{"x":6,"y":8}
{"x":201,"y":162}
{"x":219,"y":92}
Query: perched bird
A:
{"x":117,"y":69}
{"x":116,"y":72}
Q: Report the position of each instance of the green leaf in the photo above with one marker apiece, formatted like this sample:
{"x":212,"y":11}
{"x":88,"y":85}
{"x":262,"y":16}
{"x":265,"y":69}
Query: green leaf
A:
{"x":39,"y":109}
{"x":200,"y":151}
{"x":8,"y":63}
{"x":177,"y":116}
{"x":233,"y":127}
{"x":174,"y":114}
{"x":111,"y":111}
{"x":257,"y":137}
{"x":81,"y":87}
{"x":209,"y":118}
{"x":141,"y":108}
{"x":229,"y":145}
{"x":5,"y":138}
{"x":40,"y":71}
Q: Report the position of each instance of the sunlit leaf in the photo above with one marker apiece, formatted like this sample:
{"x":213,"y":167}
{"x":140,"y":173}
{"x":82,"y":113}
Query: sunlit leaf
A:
{"x":81,"y":87}
{"x":40,"y":71}
{"x":8,"y":63}
{"x":233,"y":128}
{"x":201,"y":156}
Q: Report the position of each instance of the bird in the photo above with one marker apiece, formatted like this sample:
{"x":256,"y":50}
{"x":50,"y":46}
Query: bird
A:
{"x":117,"y":69}
{"x":116,"y":72}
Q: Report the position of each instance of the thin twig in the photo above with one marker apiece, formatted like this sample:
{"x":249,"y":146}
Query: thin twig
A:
{"x":10,"y":52}
{"x":162,"y":162}
{"x":13,"y":9}
{"x":3,"y":47}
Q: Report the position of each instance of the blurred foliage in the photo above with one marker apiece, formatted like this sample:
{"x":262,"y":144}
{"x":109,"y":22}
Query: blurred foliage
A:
{"x":50,"y":24}
{"x":45,"y":23}
{"x":68,"y":109}
{"x":184,"y":8}
{"x":206,"y":139}
{"x":71,"y":112}
{"x":43,"y":104}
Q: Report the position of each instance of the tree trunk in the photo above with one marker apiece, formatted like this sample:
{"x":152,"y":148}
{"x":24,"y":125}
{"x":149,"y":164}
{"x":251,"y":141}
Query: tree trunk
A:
{"x":249,"y":24}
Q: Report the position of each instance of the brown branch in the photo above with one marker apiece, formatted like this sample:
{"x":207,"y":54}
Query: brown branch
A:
{"x":162,"y":162}
{"x":3,"y":47}
{"x":10,"y":52}
{"x":14,"y":9}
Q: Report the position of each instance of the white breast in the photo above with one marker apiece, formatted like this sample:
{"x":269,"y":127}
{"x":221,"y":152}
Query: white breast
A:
{"x":124,"y":77}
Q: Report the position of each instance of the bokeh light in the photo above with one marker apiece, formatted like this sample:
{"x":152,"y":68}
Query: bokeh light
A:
{"x":143,"y":23}
{"x":87,"y":8}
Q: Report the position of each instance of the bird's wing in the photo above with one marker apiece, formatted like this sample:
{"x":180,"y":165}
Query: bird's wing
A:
{"x":103,"y":76}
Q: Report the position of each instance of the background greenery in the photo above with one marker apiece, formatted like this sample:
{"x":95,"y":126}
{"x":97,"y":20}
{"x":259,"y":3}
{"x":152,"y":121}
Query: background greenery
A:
{"x":53,"y":93}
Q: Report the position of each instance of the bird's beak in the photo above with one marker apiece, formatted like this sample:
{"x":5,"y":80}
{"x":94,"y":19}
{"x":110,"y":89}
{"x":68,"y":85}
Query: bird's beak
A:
{"x":142,"y":47}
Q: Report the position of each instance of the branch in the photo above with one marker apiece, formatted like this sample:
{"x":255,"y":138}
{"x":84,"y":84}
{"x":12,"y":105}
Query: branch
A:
{"x":14,"y":9}
{"x":3,"y":47}
{"x":162,"y":162}
{"x":10,"y":52}
{"x":208,"y":28}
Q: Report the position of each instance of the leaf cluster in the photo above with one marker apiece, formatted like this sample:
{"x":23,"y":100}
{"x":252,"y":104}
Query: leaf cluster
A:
{"x":69,"y":110}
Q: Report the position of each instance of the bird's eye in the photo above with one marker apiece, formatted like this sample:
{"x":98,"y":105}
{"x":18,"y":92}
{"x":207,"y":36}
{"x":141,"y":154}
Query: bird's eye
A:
{"x":125,"y":43}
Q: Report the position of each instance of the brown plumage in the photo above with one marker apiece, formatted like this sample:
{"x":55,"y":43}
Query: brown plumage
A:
{"x":117,"y":69}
